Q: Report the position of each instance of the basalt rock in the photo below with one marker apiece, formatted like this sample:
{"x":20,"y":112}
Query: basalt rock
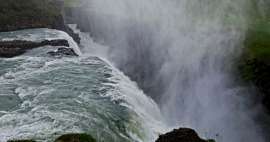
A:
{"x":17,"y":47}
{"x":75,"y":138}
{"x":21,"y":141}
{"x":63,"y":51}
{"x":181,"y":135}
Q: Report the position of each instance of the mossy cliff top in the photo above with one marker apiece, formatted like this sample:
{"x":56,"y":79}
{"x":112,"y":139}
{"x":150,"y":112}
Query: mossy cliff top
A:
{"x":22,"y":14}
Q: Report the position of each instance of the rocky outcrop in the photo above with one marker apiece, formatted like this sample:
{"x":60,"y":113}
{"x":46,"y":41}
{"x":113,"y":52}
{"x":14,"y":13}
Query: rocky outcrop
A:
{"x":17,"y":47}
{"x":181,"y":135}
{"x":63,"y":51}
{"x":75,"y":138}
{"x":21,"y":141}
{"x":28,"y":14}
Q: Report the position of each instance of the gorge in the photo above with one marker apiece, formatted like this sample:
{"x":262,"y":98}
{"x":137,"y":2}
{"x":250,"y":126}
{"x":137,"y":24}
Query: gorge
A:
{"x":144,"y":68}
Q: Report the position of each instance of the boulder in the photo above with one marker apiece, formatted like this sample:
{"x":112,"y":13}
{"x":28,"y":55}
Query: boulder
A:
{"x":17,"y":47}
{"x":181,"y":135}
{"x":75,"y":138}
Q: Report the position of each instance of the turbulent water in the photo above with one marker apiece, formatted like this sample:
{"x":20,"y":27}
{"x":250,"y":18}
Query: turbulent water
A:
{"x":43,"y":97}
{"x":180,"y":52}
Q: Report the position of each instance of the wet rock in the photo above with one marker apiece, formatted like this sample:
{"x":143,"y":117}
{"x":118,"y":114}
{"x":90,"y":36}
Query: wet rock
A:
{"x":181,"y":135}
{"x":75,"y":138}
{"x":63,"y":51}
{"x":21,"y":141}
{"x":17,"y":47}
{"x":58,"y":42}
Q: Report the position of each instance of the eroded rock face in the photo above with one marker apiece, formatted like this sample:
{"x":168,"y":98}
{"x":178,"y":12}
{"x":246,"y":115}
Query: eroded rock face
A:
{"x":181,"y":135}
{"x":17,"y":47}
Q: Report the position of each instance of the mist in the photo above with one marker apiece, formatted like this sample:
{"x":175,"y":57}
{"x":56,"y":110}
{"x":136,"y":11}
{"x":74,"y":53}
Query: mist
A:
{"x":181,"y":53}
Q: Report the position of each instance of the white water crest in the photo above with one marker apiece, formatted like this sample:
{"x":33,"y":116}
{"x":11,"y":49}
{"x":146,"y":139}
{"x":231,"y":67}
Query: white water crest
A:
{"x":181,"y":52}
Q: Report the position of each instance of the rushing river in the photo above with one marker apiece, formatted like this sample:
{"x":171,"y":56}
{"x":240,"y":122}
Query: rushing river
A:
{"x":181,"y":53}
{"x":42,"y":97}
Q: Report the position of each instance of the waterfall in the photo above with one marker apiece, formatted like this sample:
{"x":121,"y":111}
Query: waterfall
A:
{"x":43,"y":97}
{"x":181,"y":53}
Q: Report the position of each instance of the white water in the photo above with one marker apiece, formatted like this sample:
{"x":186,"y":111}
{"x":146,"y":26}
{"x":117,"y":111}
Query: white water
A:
{"x":187,"y":47}
{"x":43,"y":97}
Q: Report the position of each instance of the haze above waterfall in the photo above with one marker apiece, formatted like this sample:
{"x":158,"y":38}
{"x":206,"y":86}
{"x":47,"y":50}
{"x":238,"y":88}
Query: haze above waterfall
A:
{"x":181,"y":53}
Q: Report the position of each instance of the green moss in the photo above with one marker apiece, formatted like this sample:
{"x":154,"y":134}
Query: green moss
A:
{"x":28,"y":13}
{"x":211,"y":140}
{"x":257,"y":42}
{"x":75,"y":138}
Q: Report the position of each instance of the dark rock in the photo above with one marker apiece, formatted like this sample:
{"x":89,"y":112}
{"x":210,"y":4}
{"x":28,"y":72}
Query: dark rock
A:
{"x":58,"y":42}
{"x":71,"y":33}
{"x":17,"y":47}
{"x":181,"y":135}
{"x":63,"y":52}
{"x":75,"y":138}
{"x":21,"y":141}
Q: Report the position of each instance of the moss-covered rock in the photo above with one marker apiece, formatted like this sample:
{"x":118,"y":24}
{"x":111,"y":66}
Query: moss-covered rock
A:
{"x":16,"y":15}
{"x":27,"y":14}
{"x":75,"y":138}
{"x":255,"y":63}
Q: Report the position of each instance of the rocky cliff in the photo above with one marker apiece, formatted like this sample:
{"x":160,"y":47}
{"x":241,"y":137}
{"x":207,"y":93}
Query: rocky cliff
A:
{"x":26,"y":14}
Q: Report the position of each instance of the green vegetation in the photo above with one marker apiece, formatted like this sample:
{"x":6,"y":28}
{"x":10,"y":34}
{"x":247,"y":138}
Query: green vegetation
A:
{"x":258,"y":42}
{"x":255,"y":63}
{"x":28,"y":14}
